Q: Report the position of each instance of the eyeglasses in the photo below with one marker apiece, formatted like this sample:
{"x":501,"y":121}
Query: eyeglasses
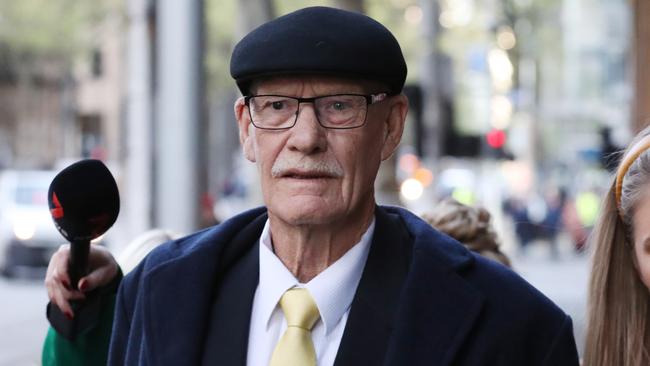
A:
{"x":338,"y":111}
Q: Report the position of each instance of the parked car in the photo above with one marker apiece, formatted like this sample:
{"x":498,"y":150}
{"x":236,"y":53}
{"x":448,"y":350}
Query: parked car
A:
{"x":28,"y":236}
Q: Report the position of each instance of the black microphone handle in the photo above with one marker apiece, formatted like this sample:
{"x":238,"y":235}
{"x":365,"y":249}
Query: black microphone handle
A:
{"x":78,"y":265}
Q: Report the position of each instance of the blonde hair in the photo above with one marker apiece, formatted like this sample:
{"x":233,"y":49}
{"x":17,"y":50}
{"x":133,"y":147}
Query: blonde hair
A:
{"x":619,"y":303}
{"x":469,"y":225}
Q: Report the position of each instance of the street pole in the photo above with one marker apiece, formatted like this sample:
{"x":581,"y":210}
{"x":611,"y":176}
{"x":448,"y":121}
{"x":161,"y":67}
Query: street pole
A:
{"x":178,"y":114}
{"x":138,"y":179}
{"x":433,"y":131}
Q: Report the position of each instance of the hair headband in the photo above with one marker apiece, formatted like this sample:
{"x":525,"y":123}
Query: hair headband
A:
{"x":634,"y":152}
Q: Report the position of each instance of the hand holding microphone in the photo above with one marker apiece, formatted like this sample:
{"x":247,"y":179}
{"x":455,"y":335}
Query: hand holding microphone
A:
{"x":102,"y":267}
{"x":84,"y":203}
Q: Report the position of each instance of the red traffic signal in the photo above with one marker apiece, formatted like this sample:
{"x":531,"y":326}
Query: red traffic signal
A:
{"x":496,"y":138}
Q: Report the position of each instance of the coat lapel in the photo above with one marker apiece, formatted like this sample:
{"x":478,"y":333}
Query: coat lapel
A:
{"x":438,"y":306}
{"x":180,"y":337}
{"x":437,"y":313}
{"x":370,"y":322}
{"x":411,"y":307}
{"x":227,"y":336}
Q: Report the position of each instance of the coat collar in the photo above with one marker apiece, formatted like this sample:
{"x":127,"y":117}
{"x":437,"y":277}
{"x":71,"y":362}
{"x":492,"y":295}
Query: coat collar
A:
{"x":437,"y":312}
{"x":375,"y":304}
{"x":180,"y":291}
{"x":412,"y":307}
{"x":226,"y":339}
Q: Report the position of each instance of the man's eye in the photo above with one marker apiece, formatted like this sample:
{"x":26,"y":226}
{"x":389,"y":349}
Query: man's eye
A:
{"x":339,"y":105}
{"x":278,"y":105}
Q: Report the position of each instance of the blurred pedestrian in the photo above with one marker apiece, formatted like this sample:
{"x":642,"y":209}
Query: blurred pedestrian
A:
{"x":552,"y":224}
{"x":525,"y":229}
{"x":471,"y":226}
{"x":618,"y":331}
{"x":574,"y":228}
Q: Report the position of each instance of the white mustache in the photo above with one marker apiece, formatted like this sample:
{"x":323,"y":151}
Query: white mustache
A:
{"x":282,"y":167}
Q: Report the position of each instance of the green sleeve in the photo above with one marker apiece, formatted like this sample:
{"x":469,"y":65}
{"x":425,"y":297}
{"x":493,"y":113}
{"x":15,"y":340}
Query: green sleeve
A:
{"x":88,"y":349}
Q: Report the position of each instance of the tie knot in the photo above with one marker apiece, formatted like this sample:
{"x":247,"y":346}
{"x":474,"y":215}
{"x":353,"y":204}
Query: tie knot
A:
{"x":299,"y":308}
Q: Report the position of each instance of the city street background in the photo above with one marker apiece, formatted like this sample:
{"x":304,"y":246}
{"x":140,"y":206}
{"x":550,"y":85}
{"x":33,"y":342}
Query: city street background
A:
{"x":517,"y":106}
{"x":22,"y":320}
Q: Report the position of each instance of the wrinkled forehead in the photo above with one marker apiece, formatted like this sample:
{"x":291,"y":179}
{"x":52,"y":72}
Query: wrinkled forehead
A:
{"x":314,"y":85}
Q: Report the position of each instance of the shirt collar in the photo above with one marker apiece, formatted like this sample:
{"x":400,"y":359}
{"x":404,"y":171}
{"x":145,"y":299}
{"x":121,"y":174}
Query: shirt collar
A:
{"x":332,"y":290}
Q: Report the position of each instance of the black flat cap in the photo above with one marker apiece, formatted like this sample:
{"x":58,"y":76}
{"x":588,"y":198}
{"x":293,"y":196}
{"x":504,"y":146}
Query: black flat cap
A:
{"x":322,"y":41}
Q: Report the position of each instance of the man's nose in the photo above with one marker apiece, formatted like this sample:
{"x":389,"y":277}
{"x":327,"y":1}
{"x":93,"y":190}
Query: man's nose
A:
{"x":307,"y":135}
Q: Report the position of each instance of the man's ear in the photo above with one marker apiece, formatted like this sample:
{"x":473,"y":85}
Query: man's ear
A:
{"x":245,"y":126}
{"x":394,"y":125}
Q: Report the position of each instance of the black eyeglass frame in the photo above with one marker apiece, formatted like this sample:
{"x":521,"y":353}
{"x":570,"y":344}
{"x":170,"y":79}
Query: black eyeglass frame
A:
{"x":370,"y":99}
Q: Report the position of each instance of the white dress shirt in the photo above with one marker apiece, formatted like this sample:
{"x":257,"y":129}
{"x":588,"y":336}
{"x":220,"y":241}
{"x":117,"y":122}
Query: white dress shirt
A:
{"x":332,"y":290}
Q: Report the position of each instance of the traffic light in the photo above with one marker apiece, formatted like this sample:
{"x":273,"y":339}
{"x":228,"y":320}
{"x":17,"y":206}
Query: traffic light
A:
{"x":495,"y":138}
{"x":495,"y":141}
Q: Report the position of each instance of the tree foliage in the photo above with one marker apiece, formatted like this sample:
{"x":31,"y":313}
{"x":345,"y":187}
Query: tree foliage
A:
{"x":53,"y":30}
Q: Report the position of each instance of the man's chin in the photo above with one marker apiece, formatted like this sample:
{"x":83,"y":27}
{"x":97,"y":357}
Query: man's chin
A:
{"x":300,"y":212}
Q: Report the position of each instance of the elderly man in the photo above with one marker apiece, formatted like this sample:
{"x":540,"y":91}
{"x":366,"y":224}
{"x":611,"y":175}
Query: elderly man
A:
{"x":322,"y":275}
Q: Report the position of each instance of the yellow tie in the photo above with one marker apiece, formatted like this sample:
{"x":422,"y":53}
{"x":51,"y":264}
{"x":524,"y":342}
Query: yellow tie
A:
{"x":296,"y":348}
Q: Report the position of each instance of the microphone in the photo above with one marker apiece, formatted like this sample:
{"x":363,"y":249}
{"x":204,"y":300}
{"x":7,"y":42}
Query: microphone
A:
{"x":84,"y":203}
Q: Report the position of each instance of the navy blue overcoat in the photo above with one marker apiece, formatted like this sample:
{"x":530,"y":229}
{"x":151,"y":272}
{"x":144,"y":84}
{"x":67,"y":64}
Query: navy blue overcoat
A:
{"x":423,"y":299}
